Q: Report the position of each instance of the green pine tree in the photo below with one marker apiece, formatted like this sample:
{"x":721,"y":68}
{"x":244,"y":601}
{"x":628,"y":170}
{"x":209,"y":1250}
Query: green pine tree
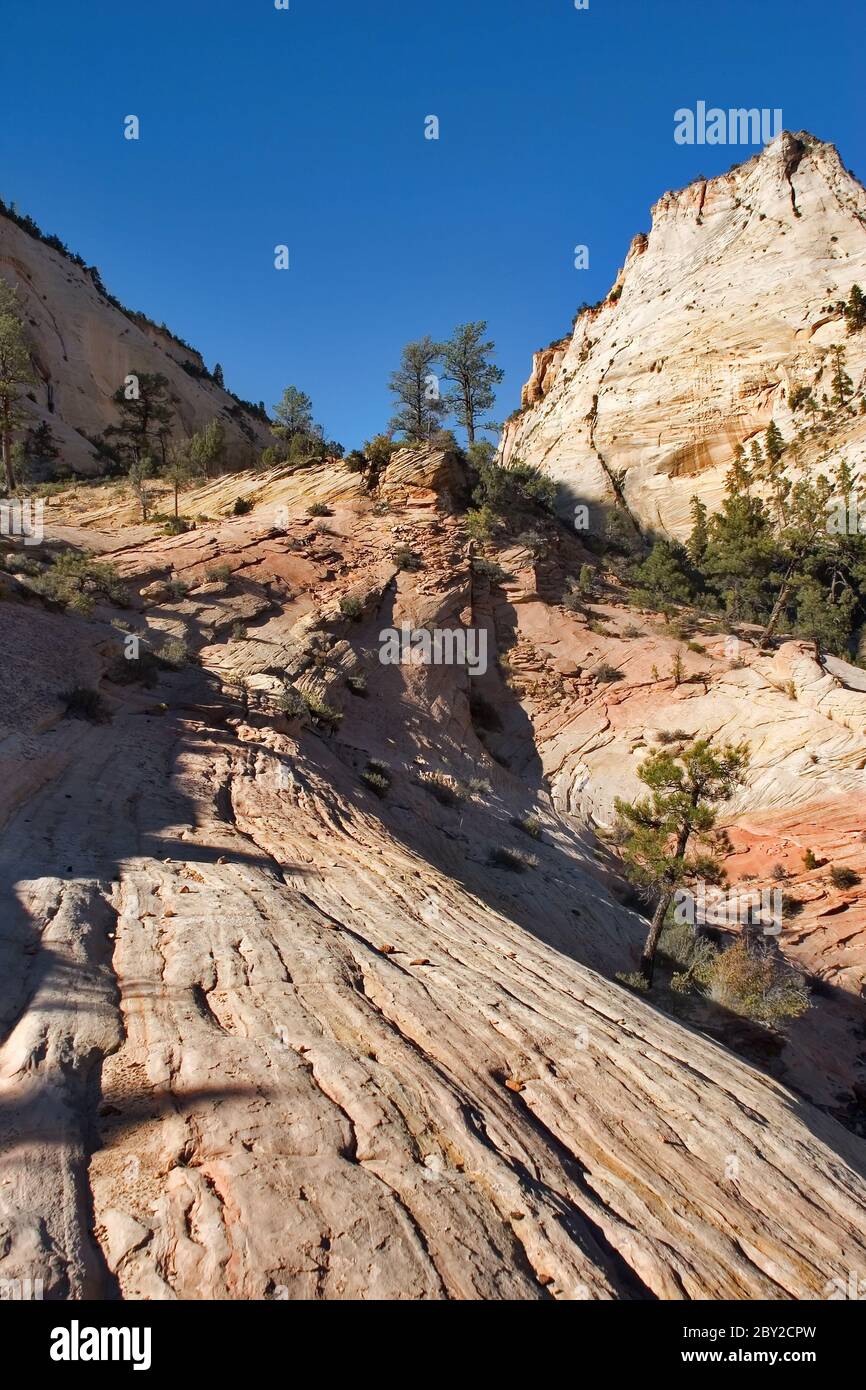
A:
{"x":687,"y":789}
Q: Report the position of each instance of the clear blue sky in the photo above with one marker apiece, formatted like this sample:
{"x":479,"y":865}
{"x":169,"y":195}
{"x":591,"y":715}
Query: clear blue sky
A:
{"x":305,"y":127}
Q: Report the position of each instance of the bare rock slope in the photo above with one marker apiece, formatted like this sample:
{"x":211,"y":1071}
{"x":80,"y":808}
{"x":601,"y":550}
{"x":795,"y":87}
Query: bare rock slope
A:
{"x":267,"y":1033}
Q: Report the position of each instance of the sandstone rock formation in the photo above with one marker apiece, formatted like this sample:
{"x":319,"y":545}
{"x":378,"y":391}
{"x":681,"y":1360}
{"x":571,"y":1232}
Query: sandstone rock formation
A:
{"x":266,"y":1033}
{"x":83,"y":346}
{"x":726,"y":305}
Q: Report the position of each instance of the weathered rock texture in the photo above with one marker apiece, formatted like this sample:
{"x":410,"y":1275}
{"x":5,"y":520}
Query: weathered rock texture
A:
{"x":266,"y":1034}
{"x":724,"y":306}
{"x":82,"y":348}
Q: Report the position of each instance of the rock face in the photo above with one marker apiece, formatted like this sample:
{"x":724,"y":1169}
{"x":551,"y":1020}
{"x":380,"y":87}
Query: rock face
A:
{"x":266,"y":1033}
{"x":726,"y":305}
{"x":83,"y":346}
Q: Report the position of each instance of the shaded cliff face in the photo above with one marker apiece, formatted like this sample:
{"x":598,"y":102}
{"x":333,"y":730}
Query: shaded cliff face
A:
{"x":82,"y":348}
{"x":267,"y":1033}
{"x":725,"y":306}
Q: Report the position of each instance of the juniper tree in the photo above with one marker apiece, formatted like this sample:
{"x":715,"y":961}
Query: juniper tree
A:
{"x":15,"y":375}
{"x":664,"y":830}
{"x":466,"y":360}
{"x":140,"y":472}
{"x":420,"y":405}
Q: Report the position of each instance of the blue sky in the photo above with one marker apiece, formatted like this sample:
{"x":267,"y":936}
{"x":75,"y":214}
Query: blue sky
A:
{"x":306,"y":127}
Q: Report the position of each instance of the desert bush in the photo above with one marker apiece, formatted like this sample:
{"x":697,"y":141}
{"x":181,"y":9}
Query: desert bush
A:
{"x":530,"y":825}
{"x":322,"y":713}
{"x":756,"y":983}
{"x":479,"y":786}
{"x":406,"y":559}
{"x":633,"y":979}
{"x":377,"y":782}
{"x":178,"y":588}
{"x":605,"y":674}
{"x":319,"y":509}
{"x":176,"y":525}
{"x":843,"y":877}
{"x":442,"y":788}
{"x":218,"y":574}
{"x":809,"y":860}
{"x":242,"y":506}
{"x":667,"y":736}
{"x":84,"y":703}
{"x":352,"y":607}
{"x":174,"y":653}
{"x":76,"y":581}
{"x":238,"y":632}
{"x":489,"y":569}
{"x":517,"y":860}
{"x":290,"y":702}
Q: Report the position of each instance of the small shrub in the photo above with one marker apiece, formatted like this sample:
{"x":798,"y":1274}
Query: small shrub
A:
{"x":605,"y":674}
{"x":174,"y":652}
{"x":176,"y":526}
{"x":218,"y":574}
{"x":791,"y":907}
{"x":535,"y":542}
{"x":319,"y":509}
{"x":177,"y":588}
{"x":238,"y":632}
{"x":633,"y":979}
{"x":530,"y":825}
{"x":631,"y":631}
{"x":378,"y":783}
{"x":352,"y":607}
{"x":696,"y":647}
{"x":479,"y":786}
{"x":757,"y":984}
{"x":291,"y":703}
{"x":778,"y":873}
{"x":843,"y":877}
{"x":810,"y":860}
{"x":378,"y":776}
{"x":406,"y":559}
{"x":517,"y":860}
{"x":489,"y":569}
{"x":667,"y":736}
{"x":322,"y":713}
{"x":242,"y":506}
{"x":84,"y":703}
{"x":446,"y":792}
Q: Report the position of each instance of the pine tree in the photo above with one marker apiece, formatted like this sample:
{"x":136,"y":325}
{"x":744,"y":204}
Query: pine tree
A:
{"x":421,"y":408}
{"x":206,"y":448}
{"x":686,"y":790}
{"x":466,"y":363}
{"x":738,"y":479}
{"x":146,"y":416}
{"x":774,"y":470}
{"x":218,"y":375}
{"x":140,"y":472}
{"x":293,"y":415}
{"x":855,"y":310}
{"x":841,"y":382}
{"x":178,"y":470}
{"x":15,"y":375}
{"x":663,"y":577}
{"x":696,"y":544}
